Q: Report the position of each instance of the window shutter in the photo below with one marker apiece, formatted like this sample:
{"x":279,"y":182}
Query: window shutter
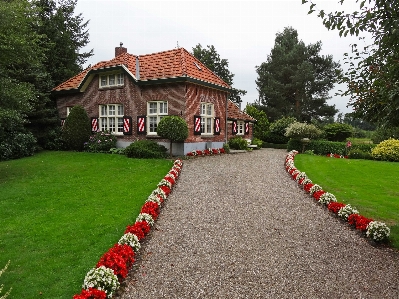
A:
{"x":94,"y":124}
{"x":127,"y":125}
{"x":197,"y":125}
{"x":141,"y":125}
{"x":217,"y":126}
{"x":62,"y":122}
{"x":246,"y":127}
{"x":234,"y":127}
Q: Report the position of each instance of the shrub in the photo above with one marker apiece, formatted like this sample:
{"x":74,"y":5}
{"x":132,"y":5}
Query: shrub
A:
{"x":359,"y":154}
{"x":299,"y":130}
{"x":381,"y":134}
{"x":338,"y":131}
{"x":257,"y":142}
{"x":174,"y":128}
{"x":387,"y":150}
{"x":118,"y":151}
{"x":238,"y":143}
{"x":145,"y":149}
{"x":278,"y":129}
{"x":17,"y":145}
{"x":226,"y":148}
{"x":100,"y":142}
{"x":77,"y":129}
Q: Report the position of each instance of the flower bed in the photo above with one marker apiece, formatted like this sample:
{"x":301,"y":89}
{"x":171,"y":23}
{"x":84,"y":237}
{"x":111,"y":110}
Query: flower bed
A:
{"x":206,"y":152}
{"x":376,"y":230}
{"x":104,"y":280}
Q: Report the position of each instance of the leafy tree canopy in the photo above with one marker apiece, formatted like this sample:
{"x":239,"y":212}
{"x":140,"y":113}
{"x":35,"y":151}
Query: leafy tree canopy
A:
{"x":373,"y":70}
{"x":220,"y":67}
{"x":295,"y":79}
{"x":261,"y":127}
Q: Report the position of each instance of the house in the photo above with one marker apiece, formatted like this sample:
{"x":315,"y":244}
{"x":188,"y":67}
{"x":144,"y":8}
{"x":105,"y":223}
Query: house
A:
{"x":129,"y":94}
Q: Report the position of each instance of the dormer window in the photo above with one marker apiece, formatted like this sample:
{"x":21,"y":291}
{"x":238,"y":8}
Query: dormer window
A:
{"x":111,"y":80}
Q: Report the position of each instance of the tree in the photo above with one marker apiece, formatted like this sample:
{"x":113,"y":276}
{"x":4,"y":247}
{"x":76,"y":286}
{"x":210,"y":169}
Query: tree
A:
{"x":220,"y":67}
{"x":373,"y":71}
{"x":20,"y":53}
{"x":174,"y":128}
{"x":261,"y":127}
{"x":295,"y":79}
{"x":63,"y":35}
{"x":77,"y":129}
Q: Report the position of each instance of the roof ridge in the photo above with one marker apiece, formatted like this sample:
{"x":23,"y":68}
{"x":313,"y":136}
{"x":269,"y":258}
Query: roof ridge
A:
{"x":183,"y":62}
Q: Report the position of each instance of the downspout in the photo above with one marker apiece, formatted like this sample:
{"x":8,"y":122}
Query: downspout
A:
{"x":225,"y":121}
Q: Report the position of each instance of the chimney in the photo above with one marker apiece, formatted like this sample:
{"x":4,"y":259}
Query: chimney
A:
{"x":120,"y":50}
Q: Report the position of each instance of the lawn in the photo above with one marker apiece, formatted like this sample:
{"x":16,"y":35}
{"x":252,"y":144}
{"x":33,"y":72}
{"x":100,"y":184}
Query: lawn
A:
{"x":370,"y":186}
{"x":60,"y":211}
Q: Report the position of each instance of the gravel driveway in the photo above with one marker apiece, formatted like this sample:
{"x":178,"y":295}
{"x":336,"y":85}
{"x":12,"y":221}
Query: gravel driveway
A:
{"x":237,"y":226}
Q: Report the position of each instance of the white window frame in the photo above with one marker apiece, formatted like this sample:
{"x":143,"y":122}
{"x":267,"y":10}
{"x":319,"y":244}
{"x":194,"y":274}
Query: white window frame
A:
{"x":155,"y":111}
{"x":69,"y":108}
{"x":111,"y":118}
{"x":207,"y":118}
{"x":111,"y":80}
{"x":240,"y":127}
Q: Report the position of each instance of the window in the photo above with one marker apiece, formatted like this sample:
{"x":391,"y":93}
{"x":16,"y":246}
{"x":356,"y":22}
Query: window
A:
{"x":240,"y":128}
{"x":156,"y":110}
{"x":111,"y":80}
{"x":111,"y":118}
{"x":69,"y":110}
{"x":207,"y":118}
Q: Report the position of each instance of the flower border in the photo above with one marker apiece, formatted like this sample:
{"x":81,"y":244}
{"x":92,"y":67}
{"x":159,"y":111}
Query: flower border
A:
{"x":376,"y":230}
{"x":120,"y":258}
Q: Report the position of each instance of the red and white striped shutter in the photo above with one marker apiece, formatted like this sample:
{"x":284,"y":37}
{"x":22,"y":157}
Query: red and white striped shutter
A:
{"x":246,"y":127}
{"x":94,"y":124}
{"x":197,"y":125}
{"x":62,"y":122}
{"x":127,"y":125}
{"x":216,"y":130}
{"x":141,"y":124}
{"x":234,"y":127}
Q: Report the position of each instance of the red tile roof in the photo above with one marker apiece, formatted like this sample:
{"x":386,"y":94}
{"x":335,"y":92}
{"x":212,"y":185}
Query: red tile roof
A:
{"x":235,"y":113}
{"x":176,"y":63}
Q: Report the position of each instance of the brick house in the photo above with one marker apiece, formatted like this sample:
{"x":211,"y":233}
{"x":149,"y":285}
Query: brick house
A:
{"x":129,"y":94}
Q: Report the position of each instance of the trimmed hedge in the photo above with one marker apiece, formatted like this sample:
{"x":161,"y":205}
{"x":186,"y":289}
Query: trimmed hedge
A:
{"x":145,"y":149}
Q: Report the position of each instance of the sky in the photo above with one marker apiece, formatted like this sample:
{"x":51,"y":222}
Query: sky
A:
{"x":243,"y":32}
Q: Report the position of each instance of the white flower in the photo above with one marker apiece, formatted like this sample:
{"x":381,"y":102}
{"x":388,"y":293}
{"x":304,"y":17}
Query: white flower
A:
{"x":300,"y":176}
{"x":154,"y":198}
{"x":145,"y":217}
{"x":314,"y":189}
{"x":378,"y":231}
{"x":346,"y":211}
{"x":306,"y":181}
{"x":131,"y":240}
{"x":164,"y":182}
{"x":101,"y":278}
{"x":326,"y":198}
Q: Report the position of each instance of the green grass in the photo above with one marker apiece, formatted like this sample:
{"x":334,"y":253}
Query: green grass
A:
{"x":370,"y":186}
{"x":60,"y":211}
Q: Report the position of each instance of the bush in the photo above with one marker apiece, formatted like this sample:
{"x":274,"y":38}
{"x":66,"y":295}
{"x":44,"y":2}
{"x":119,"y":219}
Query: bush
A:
{"x":257,"y":142}
{"x":274,"y":145}
{"x":338,"y":132}
{"x":387,"y":150}
{"x":299,"y":130}
{"x":145,"y":149}
{"x":359,"y":154}
{"x":17,"y":145}
{"x":226,"y":148}
{"x":100,"y":142}
{"x":238,"y":143}
{"x":77,"y":129}
{"x":295,"y":144}
{"x":381,"y":134}
{"x":278,"y":129}
{"x":174,"y":128}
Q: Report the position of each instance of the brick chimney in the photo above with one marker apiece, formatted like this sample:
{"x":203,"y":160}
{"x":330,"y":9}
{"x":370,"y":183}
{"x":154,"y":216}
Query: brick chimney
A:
{"x":120,"y":50}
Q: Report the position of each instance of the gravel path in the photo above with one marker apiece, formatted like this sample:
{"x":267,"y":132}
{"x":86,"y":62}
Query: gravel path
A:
{"x":237,"y":226}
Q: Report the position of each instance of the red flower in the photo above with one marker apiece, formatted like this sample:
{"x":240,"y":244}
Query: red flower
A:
{"x":307,"y":187}
{"x":174,"y":172}
{"x":140,"y":229}
{"x":360,"y":222}
{"x":300,"y":181}
{"x":151,"y":208}
{"x":207,"y":152}
{"x":317,"y":194}
{"x":295,"y":175}
{"x":91,"y":294}
{"x":119,"y":258}
{"x":335,"y":206}
{"x":215,"y":151}
{"x":165,"y":189}
{"x":170,"y":180}
{"x":292,"y":170}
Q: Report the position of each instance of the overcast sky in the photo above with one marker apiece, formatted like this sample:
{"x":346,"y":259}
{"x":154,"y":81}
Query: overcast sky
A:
{"x":243,"y":32}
